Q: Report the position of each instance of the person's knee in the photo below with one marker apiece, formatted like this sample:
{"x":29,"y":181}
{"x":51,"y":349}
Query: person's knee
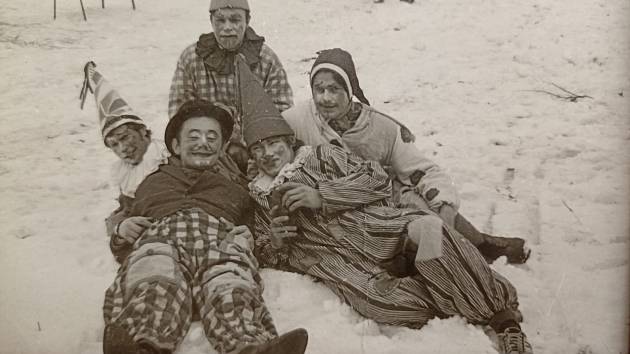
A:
{"x":409,"y":198}
{"x":426,"y":232}
{"x":152,"y":261}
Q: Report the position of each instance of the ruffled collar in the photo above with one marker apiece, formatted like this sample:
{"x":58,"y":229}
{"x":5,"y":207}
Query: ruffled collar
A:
{"x":263,"y":184}
{"x":127,"y":176}
{"x":221,"y":60}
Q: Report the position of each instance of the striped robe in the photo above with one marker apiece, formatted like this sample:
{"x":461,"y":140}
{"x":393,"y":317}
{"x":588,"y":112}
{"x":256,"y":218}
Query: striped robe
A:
{"x":353,"y":240}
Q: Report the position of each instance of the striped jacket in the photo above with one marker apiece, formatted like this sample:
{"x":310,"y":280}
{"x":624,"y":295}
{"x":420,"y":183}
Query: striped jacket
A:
{"x":357,"y":218}
{"x":349,"y":243}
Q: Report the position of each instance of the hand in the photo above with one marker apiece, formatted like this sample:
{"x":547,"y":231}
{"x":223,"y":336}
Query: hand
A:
{"x":281,"y":230}
{"x":448,"y":214}
{"x":240,"y":231}
{"x":298,"y":195}
{"x":131,"y":228}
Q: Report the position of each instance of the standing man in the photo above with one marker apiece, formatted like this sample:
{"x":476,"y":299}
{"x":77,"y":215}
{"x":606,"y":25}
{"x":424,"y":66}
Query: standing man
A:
{"x":206,"y":69}
{"x":192,"y":259}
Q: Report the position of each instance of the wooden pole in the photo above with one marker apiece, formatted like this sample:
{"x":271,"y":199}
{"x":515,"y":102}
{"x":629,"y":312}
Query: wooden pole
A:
{"x":83,"y":10}
{"x":133,"y":3}
{"x":54,"y":9}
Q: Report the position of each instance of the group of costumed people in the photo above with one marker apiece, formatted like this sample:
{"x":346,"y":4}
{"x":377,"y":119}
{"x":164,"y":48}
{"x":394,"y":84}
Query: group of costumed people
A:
{"x":330,"y":188}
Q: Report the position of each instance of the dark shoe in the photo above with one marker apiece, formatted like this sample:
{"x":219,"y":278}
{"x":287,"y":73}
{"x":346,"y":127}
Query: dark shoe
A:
{"x":116,"y":340}
{"x":513,"y":248}
{"x":514,"y":341}
{"x":292,"y":342}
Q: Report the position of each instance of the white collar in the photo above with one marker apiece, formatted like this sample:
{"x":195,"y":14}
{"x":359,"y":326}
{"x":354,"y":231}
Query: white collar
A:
{"x":264,"y":184}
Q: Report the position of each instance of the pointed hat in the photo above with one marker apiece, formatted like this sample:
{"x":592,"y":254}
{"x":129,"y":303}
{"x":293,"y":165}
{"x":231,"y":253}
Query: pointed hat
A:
{"x":261,"y":118}
{"x":113,"y":110}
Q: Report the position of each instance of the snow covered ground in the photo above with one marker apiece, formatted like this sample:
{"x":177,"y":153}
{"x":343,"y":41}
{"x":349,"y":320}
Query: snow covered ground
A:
{"x":466,"y":75}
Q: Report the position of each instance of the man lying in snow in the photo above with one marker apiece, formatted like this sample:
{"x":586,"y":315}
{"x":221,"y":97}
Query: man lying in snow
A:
{"x":332,"y":117}
{"x":130,"y":139}
{"x":192,"y":258}
{"x":344,"y":231}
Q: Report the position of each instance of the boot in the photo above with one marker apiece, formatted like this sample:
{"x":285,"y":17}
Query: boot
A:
{"x":492,"y":247}
{"x":292,"y":342}
{"x":514,"y":341}
{"x":116,"y":340}
{"x":513,"y":248}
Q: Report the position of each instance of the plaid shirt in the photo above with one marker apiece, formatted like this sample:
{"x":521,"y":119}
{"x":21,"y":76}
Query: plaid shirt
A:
{"x":191,"y":81}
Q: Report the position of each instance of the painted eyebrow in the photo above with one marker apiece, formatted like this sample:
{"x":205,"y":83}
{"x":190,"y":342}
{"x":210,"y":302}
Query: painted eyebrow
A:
{"x":320,"y":85}
{"x":200,"y":131}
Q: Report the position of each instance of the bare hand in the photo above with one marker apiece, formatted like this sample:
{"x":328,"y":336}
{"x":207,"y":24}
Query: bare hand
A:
{"x":131,"y":228}
{"x":281,"y":230}
{"x":238,"y":231}
{"x":298,"y":195}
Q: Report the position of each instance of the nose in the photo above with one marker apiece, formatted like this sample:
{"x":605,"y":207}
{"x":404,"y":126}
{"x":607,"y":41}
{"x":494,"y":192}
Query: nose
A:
{"x":267,"y":151}
{"x":228,"y":26}
{"x":327,"y":96}
{"x":125,"y":146}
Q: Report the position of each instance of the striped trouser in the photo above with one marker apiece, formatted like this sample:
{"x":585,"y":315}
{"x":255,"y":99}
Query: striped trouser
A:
{"x":457,"y":283}
{"x":183,"y":262}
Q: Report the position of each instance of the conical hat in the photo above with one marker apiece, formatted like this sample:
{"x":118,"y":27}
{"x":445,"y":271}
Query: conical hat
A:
{"x":113,"y":110}
{"x":261,"y":118}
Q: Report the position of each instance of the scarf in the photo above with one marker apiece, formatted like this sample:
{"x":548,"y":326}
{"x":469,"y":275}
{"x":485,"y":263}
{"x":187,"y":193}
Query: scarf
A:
{"x":222,"y":61}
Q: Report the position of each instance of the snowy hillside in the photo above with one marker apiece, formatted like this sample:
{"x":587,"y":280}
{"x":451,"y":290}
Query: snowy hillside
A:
{"x":473,"y":78}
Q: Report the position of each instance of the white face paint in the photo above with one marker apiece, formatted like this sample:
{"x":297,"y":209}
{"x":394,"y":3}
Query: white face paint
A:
{"x":199,"y":144}
{"x":272,"y":154}
{"x":229,"y":27}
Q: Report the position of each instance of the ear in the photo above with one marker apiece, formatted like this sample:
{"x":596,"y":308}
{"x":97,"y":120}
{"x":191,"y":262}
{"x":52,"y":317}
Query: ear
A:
{"x":177,"y":149}
{"x":143,"y":133}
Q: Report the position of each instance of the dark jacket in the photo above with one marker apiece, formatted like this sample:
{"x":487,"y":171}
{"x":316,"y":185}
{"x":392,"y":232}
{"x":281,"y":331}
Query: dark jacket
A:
{"x":174,"y":188}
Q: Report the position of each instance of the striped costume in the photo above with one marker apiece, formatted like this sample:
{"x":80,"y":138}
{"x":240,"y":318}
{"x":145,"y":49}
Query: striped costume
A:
{"x":352,"y":241}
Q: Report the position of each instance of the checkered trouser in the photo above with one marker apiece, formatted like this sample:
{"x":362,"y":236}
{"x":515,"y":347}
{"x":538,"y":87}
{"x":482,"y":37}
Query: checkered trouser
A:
{"x":185,"y":262}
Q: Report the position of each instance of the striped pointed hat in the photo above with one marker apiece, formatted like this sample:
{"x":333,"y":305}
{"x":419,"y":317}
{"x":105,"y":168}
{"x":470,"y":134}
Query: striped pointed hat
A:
{"x":261,"y":118}
{"x":113,"y":110}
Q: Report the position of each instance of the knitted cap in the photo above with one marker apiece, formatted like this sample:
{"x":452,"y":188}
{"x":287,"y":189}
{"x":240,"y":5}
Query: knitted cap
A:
{"x":261,"y":118}
{"x":340,"y":62}
{"x":113,"y":110}
{"x":199,"y":108}
{"x":233,"y":4}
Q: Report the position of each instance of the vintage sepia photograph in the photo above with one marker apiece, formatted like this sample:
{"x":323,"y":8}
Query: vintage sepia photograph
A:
{"x":315,"y":176}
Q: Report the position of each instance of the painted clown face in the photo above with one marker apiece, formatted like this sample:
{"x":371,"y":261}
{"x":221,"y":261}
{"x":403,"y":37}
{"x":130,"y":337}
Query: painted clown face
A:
{"x":229,"y":27}
{"x":199,"y":143}
{"x":330,"y":97}
{"x":271,"y":154}
{"x":128,"y":144}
